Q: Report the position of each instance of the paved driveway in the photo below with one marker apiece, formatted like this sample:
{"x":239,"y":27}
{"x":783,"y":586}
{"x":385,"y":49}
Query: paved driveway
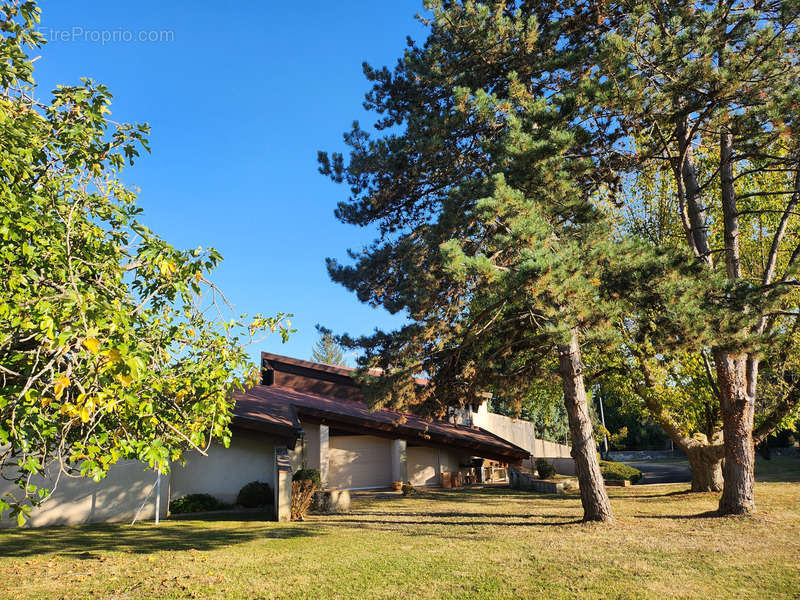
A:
{"x":662,"y":472}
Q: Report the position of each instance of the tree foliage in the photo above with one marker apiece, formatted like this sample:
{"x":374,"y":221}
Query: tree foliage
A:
{"x":683,"y":396}
{"x":505,"y":143}
{"x":489,"y":197}
{"x":113,"y":343}
{"x":480,"y":189}
{"x":710,"y":99}
{"x":327,"y":350}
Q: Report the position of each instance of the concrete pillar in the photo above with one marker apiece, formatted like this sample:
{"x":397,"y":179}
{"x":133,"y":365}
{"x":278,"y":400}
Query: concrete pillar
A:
{"x":324,"y":442}
{"x":283,"y":484}
{"x":399,"y":461}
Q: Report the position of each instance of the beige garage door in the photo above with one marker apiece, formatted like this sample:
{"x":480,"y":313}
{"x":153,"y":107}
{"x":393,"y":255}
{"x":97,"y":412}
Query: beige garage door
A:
{"x":359,"y":461}
{"x":423,"y":465}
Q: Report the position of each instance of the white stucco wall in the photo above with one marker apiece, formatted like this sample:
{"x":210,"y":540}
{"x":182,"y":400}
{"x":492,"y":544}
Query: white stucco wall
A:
{"x":250,"y":457}
{"x":80,"y":500}
{"x":426,"y":464}
{"x":359,"y":461}
{"x":307,"y":450}
{"x":423,"y":466}
{"x":312,"y":449}
{"x":517,"y":431}
{"x":563,"y":466}
{"x":522,"y":434}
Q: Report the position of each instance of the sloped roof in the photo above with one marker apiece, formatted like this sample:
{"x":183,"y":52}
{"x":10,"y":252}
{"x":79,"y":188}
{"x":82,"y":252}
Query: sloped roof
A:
{"x":278,"y":407}
{"x":252,"y":412}
{"x":342,"y":370}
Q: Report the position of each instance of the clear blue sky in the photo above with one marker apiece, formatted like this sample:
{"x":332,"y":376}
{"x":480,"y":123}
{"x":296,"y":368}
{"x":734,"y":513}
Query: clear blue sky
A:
{"x":240,"y":100}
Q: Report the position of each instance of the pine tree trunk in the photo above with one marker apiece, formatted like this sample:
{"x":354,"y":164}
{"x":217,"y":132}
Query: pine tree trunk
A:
{"x":596,"y":505}
{"x":706,"y":469}
{"x":737,"y":409}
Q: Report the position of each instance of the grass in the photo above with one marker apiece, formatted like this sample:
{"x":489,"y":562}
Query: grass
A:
{"x":474,"y":543}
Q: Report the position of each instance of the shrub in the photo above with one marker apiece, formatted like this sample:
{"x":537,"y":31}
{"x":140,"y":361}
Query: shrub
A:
{"x":307,"y":474}
{"x":619,"y":471}
{"x":302,"y":496}
{"x":544,"y":468}
{"x":196,"y":503}
{"x":255,"y":494}
{"x":408,"y":489}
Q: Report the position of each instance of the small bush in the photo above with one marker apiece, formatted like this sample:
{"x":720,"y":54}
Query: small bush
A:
{"x":408,"y":489}
{"x":255,"y":494}
{"x":544,"y":468}
{"x":308,"y":474}
{"x":302,"y":496}
{"x":619,"y":471}
{"x":196,"y":503}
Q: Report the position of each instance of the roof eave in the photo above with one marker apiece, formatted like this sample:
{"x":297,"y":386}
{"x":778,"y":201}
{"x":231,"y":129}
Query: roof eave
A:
{"x":402,"y":431}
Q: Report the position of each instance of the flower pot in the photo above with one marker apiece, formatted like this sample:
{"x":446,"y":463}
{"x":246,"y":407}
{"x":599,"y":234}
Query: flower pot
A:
{"x":397,"y":486}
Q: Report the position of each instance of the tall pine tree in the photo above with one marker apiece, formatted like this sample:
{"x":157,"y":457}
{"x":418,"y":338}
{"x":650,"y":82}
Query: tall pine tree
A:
{"x":722,"y":77}
{"x":487,"y":193}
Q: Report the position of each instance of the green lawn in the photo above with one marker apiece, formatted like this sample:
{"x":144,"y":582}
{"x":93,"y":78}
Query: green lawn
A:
{"x":477,"y":543}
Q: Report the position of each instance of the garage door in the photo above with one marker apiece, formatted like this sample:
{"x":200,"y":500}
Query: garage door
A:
{"x":359,"y":461}
{"x":423,"y":465}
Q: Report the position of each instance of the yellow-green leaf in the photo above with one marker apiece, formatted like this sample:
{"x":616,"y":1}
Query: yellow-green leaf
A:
{"x":92,"y":344}
{"x":59,"y":385}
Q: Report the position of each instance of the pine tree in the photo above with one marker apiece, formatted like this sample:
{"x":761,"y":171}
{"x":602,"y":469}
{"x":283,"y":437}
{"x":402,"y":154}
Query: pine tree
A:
{"x":545,"y":106}
{"x":722,"y":77}
{"x":326,"y":350}
{"x":676,"y":387}
{"x":487,"y":198}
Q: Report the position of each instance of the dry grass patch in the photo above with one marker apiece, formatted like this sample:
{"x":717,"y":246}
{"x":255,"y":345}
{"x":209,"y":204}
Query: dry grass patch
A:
{"x":477,"y":543}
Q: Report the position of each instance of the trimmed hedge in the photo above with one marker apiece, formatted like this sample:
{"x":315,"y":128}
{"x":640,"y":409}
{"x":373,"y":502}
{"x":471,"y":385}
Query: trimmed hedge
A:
{"x":544,"y":468}
{"x":255,"y":494}
{"x":196,"y":503}
{"x":308,"y":474}
{"x":619,"y":471}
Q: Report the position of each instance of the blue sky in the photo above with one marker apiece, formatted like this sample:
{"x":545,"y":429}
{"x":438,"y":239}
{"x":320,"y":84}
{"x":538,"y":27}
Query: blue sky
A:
{"x":240,"y":99}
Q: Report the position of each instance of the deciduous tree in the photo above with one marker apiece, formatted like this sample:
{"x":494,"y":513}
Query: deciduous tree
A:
{"x":113,"y":343}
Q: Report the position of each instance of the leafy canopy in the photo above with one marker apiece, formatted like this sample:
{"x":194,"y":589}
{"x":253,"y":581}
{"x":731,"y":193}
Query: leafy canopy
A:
{"x":113,"y":343}
{"x":490,"y":202}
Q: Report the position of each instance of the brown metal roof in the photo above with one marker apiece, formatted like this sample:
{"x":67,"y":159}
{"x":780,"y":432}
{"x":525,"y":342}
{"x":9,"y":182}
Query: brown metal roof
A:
{"x":289,"y":360}
{"x":278,"y":407}
{"x":279,"y":359}
{"x":277,"y":418}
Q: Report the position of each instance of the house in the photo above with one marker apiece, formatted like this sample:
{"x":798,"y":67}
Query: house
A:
{"x":311,"y":415}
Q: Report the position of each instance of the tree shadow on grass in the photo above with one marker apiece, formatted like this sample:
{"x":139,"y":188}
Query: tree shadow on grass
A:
{"x":225,"y":515}
{"x":495,"y":495}
{"x":394,"y":523}
{"x":424,"y":515}
{"x":83,"y":541}
{"x":483,"y":495}
{"x":683,"y":492}
{"x":709,"y":514}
